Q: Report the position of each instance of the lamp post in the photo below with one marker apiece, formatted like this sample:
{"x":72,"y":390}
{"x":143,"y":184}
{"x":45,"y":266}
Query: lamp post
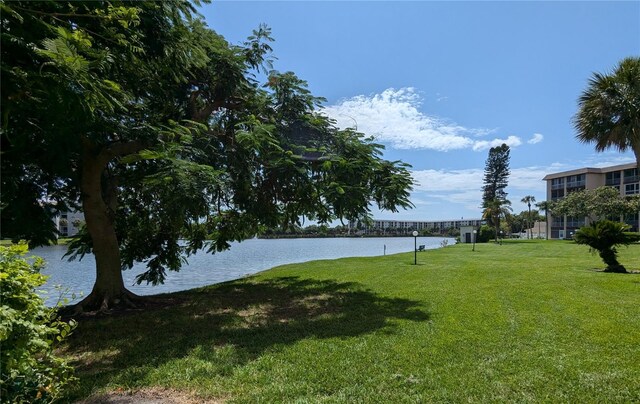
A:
{"x":474,"y":240}
{"x":415,"y":247}
{"x":501,"y":236}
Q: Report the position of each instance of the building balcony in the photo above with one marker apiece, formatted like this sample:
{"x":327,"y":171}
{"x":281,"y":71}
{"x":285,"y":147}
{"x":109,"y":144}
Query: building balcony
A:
{"x":576,"y":184}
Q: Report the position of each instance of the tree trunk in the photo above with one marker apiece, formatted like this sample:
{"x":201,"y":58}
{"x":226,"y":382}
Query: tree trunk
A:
{"x":608,"y":255}
{"x":108,"y":291}
{"x":530,"y":236}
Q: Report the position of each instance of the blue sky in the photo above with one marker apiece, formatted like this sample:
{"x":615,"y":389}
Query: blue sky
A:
{"x":439,"y":83}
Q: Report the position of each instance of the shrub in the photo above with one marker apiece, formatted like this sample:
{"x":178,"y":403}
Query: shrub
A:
{"x":28,"y":330}
{"x":486,"y":234}
{"x":604,"y":236}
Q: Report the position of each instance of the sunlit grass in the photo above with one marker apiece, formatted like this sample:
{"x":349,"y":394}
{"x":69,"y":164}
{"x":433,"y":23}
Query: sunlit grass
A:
{"x":524,"y":321}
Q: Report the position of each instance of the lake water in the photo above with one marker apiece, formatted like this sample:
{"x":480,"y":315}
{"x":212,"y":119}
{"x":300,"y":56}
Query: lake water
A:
{"x":244,"y":258}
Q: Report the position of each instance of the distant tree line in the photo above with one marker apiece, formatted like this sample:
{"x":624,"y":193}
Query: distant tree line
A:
{"x":320,"y":230}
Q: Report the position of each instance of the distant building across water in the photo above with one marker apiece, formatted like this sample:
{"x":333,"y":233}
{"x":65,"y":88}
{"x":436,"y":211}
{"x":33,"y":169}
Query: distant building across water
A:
{"x":399,"y":227}
{"x":69,"y":223}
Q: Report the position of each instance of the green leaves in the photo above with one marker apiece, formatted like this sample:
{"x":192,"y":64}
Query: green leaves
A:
{"x":596,"y":204}
{"x":161,"y":131}
{"x":609,"y":109}
{"x":603,"y":236}
{"x":496,"y":176}
{"x":30,"y":371}
{"x":63,"y":54}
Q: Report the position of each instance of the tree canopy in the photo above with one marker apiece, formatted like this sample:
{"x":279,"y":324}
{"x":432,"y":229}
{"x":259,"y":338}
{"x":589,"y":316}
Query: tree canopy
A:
{"x":609,"y":109}
{"x":604,"y":236}
{"x":529,"y":199}
{"x":596,"y":204}
{"x":496,"y":178}
{"x":159,"y":130}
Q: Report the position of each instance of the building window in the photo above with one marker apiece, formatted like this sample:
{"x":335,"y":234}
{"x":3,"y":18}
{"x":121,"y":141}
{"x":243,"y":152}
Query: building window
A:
{"x":557,"y":194}
{"x":575,"y":181}
{"x":631,"y":189}
{"x":557,"y":183}
{"x":575,"y":222}
{"x":632,"y":220}
{"x":631,"y":175}
{"x":613,"y":178}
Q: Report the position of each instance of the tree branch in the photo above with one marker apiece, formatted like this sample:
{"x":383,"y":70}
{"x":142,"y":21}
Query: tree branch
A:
{"x":117,"y":149}
{"x":125,"y":148}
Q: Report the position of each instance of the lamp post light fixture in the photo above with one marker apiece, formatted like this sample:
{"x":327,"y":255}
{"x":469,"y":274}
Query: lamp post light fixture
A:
{"x":474,"y":240}
{"x":415,"y":247}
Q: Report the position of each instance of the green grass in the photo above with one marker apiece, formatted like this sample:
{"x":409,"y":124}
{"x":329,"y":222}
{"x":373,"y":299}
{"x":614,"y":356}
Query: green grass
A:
{"x":525,"y":321}
{"x":60,"y":241}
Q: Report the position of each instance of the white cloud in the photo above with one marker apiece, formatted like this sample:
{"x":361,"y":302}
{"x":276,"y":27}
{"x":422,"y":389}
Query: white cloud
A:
{"x":529,"y":179}
{"x":445,"y":194}
{"x":456,"y":186}
{"x":464,"y":187}
{"x":537,"y":138}
{"x":393,"y":116}
{"x":511,"y":141}
{"x":442,"y":180}
{"x":607,"y":159}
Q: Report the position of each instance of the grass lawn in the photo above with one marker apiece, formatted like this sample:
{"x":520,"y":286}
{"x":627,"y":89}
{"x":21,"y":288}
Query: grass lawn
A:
{"x":523,"y":321}
{"x":60,"y":241}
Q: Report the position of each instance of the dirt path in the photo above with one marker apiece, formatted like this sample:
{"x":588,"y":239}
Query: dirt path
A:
{"x":147,"y":396}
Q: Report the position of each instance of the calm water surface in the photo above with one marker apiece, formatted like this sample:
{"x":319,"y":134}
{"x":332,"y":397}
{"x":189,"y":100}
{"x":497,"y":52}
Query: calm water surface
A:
{"x":245,"y":258}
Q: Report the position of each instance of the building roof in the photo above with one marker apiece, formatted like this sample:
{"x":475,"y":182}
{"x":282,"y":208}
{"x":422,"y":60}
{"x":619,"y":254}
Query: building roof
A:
{"x":589,"y":170}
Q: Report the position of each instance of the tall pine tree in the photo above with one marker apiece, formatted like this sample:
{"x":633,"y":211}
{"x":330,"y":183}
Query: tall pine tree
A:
{"x":496,"y":178}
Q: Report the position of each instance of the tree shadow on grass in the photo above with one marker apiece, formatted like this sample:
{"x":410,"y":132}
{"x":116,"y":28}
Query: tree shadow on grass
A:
{"x":244,"y":317}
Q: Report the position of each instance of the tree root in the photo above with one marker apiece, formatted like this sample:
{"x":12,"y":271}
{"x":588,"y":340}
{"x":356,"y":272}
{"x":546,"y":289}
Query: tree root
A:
{"x":106,"y":303}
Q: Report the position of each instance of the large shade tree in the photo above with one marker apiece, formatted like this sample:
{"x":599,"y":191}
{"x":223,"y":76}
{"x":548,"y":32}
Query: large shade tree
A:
{"x":609,"y":109}
{"x":160,"y":131}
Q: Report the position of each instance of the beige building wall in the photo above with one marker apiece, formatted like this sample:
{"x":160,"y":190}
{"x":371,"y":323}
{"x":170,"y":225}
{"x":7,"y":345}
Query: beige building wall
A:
{"x":559,"y":184}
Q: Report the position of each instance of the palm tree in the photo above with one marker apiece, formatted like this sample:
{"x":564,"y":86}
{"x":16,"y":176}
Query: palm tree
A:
{"x":609,"y":109}
{"x":529,"y":199}
{"x":604,"y":237}
{"x":494,"y":210}
{"x":545,"y":206}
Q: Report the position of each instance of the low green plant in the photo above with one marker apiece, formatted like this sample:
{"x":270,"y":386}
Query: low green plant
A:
{"x":604,"y":236}
{"x":31,"y":372}
{"x":486,"y":234}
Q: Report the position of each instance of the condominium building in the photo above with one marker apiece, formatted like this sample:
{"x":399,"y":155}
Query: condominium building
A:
{"x":383,"y":227}
{"x":68,"y":223}
{"x":623,"y":177}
